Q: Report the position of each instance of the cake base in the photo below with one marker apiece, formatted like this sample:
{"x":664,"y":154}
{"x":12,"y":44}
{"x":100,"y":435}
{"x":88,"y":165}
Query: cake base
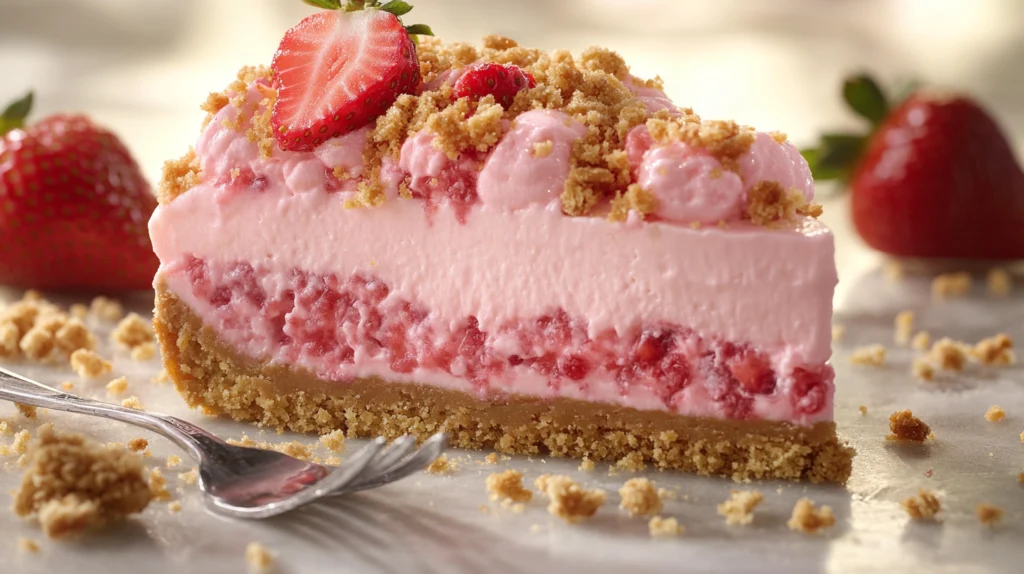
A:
{"x":210,"y":375}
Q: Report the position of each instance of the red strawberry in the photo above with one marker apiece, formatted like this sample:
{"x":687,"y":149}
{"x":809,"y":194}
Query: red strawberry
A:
{"x":73,"y":206}
{"x":336,"y":71}
{"x":935,"y":178}
{"x":503,"y":81}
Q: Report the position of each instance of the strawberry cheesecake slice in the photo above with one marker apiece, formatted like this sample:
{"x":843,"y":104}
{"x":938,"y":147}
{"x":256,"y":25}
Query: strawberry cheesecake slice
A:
{"x":537,"y":252}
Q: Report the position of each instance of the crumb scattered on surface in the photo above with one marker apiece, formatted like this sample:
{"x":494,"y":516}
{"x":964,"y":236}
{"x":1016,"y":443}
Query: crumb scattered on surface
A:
{"x":89,"y":364}
{"x":1000,"y":282}
{"x":989,"y":514}
{"x":27,"y":545}
{"x":174,"y":506}
{"x":491,"y":458}
{"x":173,"y":460}
{"x":67,"y":385}
{"x":118,"y":386}
{"x":739,"y":509}
{"x":664,"y":527}
{"x":639,"y":497}
{"x":133,"y":331}
{"x":73,"y":484}
{"x":924,"y":506}
{"x":806,"y":518}
{"x":568,"y":500}
{"x":158,"y":485}
{"x":922,"y":369}
{"x":106,"y":309}
{"x":138,"y":444}
{"x":190,"y":477}
{"x":994,"y":351}
{"x":951,"y":285}
{"x":904,"y":326}
{"x":508,"y":485}
{"x":863,"y":410}
{"x":586,"y":465}
{"x":872,"y":355}
{"x":258,"y":557}
{"x":995,"y":413}
{"x":144,"y":351}
{"x":906,"y":427}
{"x":838,"y":332}
{"x":78,"y":310}
{"x":921,"y":341}
{"x":26,"y":411}
{"x":333,"y":441}
{"x":132,"y":402}
{"x":442,"y":465}
{"x":948,"y":354}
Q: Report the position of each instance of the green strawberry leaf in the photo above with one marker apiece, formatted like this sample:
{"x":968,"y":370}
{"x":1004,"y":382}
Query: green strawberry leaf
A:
{"x":13,"y":116}
{"x":325,"y":4}
{"x":865,"y":96}
{"x":836,"y":157}
{"x":396,"y":7}
{"x":419,"y":29}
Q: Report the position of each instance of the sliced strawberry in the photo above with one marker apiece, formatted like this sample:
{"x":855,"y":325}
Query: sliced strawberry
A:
{"x":336,"y":71}
{"x":503,"y":81}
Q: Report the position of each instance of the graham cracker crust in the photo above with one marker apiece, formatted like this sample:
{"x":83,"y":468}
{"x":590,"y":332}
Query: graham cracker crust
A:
{"x":211,"y":375}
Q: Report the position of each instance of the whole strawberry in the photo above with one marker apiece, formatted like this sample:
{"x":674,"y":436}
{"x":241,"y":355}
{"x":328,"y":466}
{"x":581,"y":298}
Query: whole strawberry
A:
{"x":936,"y":177}
{"x":73,"y":206}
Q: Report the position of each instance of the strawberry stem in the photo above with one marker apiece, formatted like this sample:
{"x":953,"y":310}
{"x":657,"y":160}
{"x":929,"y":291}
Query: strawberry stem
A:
{"x":397,"y":8}
{"x":13,"y":116}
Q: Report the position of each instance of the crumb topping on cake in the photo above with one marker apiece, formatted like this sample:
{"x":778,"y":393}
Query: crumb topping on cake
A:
{"x":770,"y":204}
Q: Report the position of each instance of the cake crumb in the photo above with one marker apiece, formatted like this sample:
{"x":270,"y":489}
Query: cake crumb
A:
{"x":118,"y":386}
{"x":922,"y":369}
{"x":133,"y":331}
{"x":508,"y":485}
{"x":190,"y":477}
{"x":258,"y":557}
{"x":491,"y":458}
{"x":989,"y":514}
{"x":67,"y":385}
{"x":951,"y":285}
{"x":948,"y":354}
{"x":994,"y":351}
{"x":995,"y":413}
{"x":666,"y":494}
{"x":27,"y":545}
{"x":904,"y":326}
{"x":906,"y":427}
{"x":639,"y":497}
{"x":924,"y":506}
{"x":838,"y":332}
{"x":38,"y":344}
{"x":106,"y":309}
{"x":872,"y":355}
{"x":333,"y":441}
{"x":138,"y":444}
{"x":542,"y":149}
{"x":806,"y":518}
{"x":74,"y":335}
{"x":921,"y":341}
{"x":132,"y":402}
{"x":893,"y":270}
{"x":586,"y":465}
{"x":1000,"y":282}
{"x":144,"y":351}
{"x":632,"y":462}
{"x":442,"y":465}
{"x":158,"y":485}
{"x":568,"y":500}
{"x":78,"y":310}
{"x":739,"y":509}
{"x":863,"y":410}
{"x":174,"y":506}
{"x":73,"y":484}
{"x":664,"y":527}
{"x":27,"y":411}
{"x":89,"y":364}
{"x":173,"y":460}
{"x":21,"y":442}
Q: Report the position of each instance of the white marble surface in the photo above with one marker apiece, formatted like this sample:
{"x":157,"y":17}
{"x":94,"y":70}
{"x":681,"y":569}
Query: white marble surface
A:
{"x":143,"y":67}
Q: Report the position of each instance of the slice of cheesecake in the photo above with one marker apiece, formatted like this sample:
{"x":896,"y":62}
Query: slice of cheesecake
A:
{"x":537,"y":252}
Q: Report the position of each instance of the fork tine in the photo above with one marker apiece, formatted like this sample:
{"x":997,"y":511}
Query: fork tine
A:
{"x":391,"y":457}
{"x":428,"y":452}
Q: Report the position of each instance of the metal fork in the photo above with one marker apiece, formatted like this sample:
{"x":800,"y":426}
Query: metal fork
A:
{"x":239,"y":481}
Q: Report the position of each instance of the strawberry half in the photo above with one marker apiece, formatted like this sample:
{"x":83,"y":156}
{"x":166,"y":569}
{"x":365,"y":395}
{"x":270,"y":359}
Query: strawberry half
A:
{"x":73,"y":206}
{"x":503,"y":81}
{"x":338,"y":70}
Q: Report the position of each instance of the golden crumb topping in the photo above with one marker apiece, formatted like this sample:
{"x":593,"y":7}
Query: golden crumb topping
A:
{"x":179,"y":176}
{"x":906,"y":427}
{"x":769,"y":204}
{"x":949,"y":355}
{"x":508,"y":485}
{"x":639,"y":497}
{"x":568,"y":500}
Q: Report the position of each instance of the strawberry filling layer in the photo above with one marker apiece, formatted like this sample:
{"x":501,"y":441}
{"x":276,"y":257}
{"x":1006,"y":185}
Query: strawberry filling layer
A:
{"x":353,"y":326}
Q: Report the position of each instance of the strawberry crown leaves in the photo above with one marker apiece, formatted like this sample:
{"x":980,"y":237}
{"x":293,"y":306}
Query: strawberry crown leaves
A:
{"x":13,"y":116}
{"x":398,"y":8}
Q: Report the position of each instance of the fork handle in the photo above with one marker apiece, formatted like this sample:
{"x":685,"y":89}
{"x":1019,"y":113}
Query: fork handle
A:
{"x":14,"y":387}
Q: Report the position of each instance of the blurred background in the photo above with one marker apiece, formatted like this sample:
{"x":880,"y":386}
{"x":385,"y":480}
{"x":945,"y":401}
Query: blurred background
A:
{"x":142,"y":67}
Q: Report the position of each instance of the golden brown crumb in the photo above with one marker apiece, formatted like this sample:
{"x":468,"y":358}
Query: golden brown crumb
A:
{"x":508,"y":485}
{"x":189,"y":477}
{"x":491,"y":458}
{"x":26,"y":411}
{"x":568,"y":500}
{"x":904,"y":324}
{"x":949,"y":355}
{"x":906,"y":427}
{"x":21,"y":442}
{"x":770,"y":204}
{"x":10,"y":336}
{"x":179,"y":176}
{"x":639,"y":497}
{"x":74,"y":335}
{"x":174,"y":506}
{"x":997,"y":350}
{"x":924,"y":506}
{"x":144,"y":352}
{"x":1020,"y":477}
{"x":158,"y":485}
{"x":133,"y":331}
{"x":67,"y":385}
{"x":118,"y":386}
{"x":78,"y":310}
{"x":664,"y":527}
{"x":872,"y":355}
{"x":1000,"y":282}
{"x":807,"y":519}
{"x":838,"y":331}
{"x":132,"y":402}
{"x":38,"y":343}
{"x":258,"y":557}
{"x":995,"y":413}
{"x":923,"y":369}
{"x":173,"y":460}
{"x":921,"y":341}
{"x":863,"y":410}
{"x":586,"y":465}
{"x":88,"y":364}
{"x":333,"y":441}
{"x":989,"y":514}
{"x":106,"y":309}
{"x":442,"y":465}
{"x":635,"y":199}
{"x":951,"y":285}
{"x":632,"y":462}
{"x":73,"y":484}
{"x":27,"y":545}
{"x":542,"y":149}
{"x":138,"y":444}
{"x":739,"y":509}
